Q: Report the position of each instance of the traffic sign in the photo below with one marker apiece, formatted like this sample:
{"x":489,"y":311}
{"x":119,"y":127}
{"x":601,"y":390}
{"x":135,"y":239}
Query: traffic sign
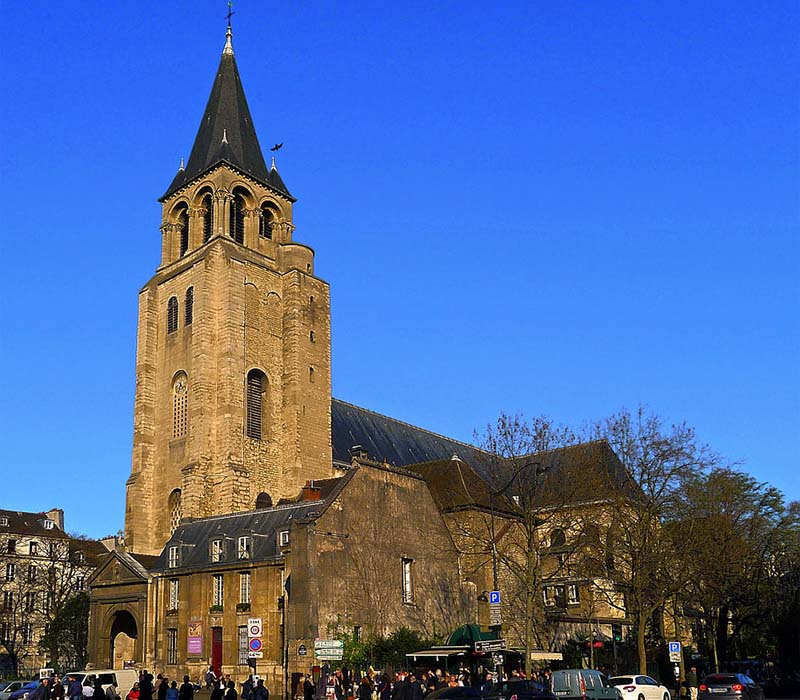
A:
{"x":255,"y":654}
{"x":494,"y":597}
{"x":490,"y":645}
{"x":255,"y":644}
{"x":675,"y":652}
{"x":329,"y":657}
{"x":254,"y":627}
{"x":329,"y":644}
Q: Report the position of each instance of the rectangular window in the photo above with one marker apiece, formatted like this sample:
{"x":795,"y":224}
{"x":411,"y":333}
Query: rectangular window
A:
{"x":12,"y":546}
{"x":408,"y":586}
{"x":48,"y":524}
{"x":10,"y":571}
{"x":283,"y":538}
{"x":173,"y":594}
{"x":218,"y":591}
{"x":80,"y":583}
{"x":172,"y":647}
{"x":33,"y":548}
{"x":549,"y":596}
{"x":244,"y":587}
{"x":30,"y":602}
{"x":573,"y":594}
{"x":243,"y":648}
{"x":27,"y":633}
{"x":4,"y":521}
{"x":217,"y":551}
{"x":173,"y":557}
{"x":32,"y":574}
{"x":244,"y":547}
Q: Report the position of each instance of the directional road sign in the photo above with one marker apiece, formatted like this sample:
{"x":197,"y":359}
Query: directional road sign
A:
{"x":490,"y":645}
{"x":329,"y":644}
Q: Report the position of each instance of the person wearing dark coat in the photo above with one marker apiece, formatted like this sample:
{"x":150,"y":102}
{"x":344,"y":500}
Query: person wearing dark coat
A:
{"x":41,"y":691}
{"x":308,"y":689}
{"x":186,"y":691}
{"x":146,"y":686}
{"x":74,"y":690}
{"x":261,"y":692}
{"x":384,"y":688}
{"x":163,"y":687}
{"x":217,"y":693}
{"x":230,"y":693}
{"x":414,"y":688}
{"x":99,"y":693}
{"x":57,"y":689}
{"x":364,"y":691}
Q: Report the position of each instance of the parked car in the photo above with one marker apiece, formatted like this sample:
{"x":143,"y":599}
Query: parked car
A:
{"x":640,"y":688}
{"x":455,"y":693}
{"x":582,"y":684}
{"x":23,"y":692}
{"x":518,"y":689}
{"x":8,"y":687}
{"x":722,"y":686}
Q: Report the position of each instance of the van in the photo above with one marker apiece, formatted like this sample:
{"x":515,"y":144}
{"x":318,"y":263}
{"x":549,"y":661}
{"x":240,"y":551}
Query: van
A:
{"x":123,"y":679}
{"x":582,"y":684}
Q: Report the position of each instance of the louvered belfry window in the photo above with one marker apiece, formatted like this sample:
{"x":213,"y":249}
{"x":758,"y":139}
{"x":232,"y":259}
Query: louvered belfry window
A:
{"x":180,"y":406}
{"x":256,"y":386}
{"x":183,"y":223}
{"x":265,"y":222}
{"x":189,"y":306}
{"x":172,"y":315}
{"x":237,"y":219}
{"x":208,"y":218}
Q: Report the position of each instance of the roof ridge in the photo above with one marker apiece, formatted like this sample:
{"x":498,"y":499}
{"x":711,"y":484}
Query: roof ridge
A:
{"x":283,"y":506}
{"x":410,"y":425}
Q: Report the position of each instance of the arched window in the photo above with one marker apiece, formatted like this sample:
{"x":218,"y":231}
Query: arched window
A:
{"x":172,"y":315}
{"x":175,"y":514}
{"x":265,"y":221}
{"x":557,"y":538}
{"x":237,"y":218}
{"x":263,"y":500}
{"x":180,"y":405}
{"x":256,"y":403}
{"x":208,"y":217}
{"x":189,"y":306}
{"x":183,"y":224}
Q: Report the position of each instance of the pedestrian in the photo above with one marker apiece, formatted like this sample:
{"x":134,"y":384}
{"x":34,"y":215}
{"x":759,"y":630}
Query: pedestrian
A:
{"x":186,"y":691}
{"x":230,"y":693}
{"x":99,"y":693}
{"x":217,"y":693}
{"x":691,"y":683}
{"x":41,"y":691}
{"x":414,"y":688}
{"x":172,"y":691}
{"x":162,"y":687}
{"x":261,"y":692}
{"x":210,"y":677}
{"x":146,"y":686}
{"x":57,"y":689}
{"x":133,"y":693}
{"x":88,"y":689}
{"x":364,"y":691}
{"x":111,"y":691}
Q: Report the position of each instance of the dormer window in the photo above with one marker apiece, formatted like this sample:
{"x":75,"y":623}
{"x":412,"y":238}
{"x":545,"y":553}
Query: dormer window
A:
{"x":243,"y":548}
{"x":283,"y":538}
{"x":80,"y":557}
{"x":33,"y":549}
{"x":217,"y":550}
{"x":4,"y":522}
{"x":173,"y":557}
{"x":48,"y":524}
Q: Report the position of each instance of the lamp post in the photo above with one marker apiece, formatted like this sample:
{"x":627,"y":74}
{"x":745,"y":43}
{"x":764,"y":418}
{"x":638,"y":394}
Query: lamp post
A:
{"x":539,"y":470}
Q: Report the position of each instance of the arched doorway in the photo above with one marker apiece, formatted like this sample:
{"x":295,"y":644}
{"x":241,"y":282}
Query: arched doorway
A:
{"x":123,"y":638}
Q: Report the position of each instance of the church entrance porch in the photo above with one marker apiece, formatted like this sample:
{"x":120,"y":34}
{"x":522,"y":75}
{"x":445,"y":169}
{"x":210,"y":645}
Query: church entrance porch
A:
{"x":123,"y":635}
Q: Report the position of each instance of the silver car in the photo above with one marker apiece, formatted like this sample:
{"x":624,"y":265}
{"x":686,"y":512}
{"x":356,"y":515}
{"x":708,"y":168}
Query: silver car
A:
{"x":729,"y":686}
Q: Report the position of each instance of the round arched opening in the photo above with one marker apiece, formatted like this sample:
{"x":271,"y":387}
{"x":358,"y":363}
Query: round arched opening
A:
{"x":263,"y":500}
{"x":124,"y":632}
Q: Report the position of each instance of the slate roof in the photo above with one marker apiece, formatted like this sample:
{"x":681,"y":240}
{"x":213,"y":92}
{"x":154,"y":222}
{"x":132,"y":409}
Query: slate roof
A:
{"x":227,"y":134}
{"x":455,"y":485}
{"x":194,"y":537}
{"x":390,"y":440}
{"x":20,"y":523}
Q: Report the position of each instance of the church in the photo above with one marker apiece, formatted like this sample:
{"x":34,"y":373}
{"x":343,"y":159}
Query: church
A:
{"x":253,"y":492}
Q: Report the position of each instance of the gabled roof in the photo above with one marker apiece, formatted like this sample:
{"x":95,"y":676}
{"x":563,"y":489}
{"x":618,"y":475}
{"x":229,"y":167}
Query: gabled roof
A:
{"x":389,"y":440}
{"x":455,"y":485}
{"x":227,"y":134}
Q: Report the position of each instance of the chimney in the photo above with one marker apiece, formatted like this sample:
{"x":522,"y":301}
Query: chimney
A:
{"x":311,"y":492}
{"x":57,"y":516}
{"x":110,"y":542}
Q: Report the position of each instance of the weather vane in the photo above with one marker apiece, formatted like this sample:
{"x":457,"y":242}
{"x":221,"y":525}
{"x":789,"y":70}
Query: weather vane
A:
{"x":231,"y":13}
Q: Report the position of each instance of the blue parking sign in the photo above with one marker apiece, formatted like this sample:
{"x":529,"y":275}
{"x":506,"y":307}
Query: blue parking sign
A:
{"x":494,"y":597}
{"x":674,"y":647}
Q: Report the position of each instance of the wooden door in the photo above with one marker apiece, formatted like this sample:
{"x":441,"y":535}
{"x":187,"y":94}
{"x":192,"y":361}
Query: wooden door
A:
{"x":216,"y":649}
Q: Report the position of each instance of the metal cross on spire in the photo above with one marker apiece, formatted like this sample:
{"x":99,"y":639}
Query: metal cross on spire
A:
{"x":231,"y":13}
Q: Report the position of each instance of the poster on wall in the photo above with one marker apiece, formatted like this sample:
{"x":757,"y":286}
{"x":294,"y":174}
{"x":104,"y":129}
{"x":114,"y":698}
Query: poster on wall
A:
{"x":194,"y":643}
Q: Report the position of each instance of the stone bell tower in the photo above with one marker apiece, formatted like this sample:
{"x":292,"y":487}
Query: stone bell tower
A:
{"x":233,"y":378}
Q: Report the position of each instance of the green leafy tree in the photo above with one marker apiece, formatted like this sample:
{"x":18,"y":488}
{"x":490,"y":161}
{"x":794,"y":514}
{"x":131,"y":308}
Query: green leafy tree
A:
{"x":67,"y":638}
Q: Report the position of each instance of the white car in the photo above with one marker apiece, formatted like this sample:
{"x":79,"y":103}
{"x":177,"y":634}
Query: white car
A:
{"x":8,"y":687}
{"x":639,"y":688}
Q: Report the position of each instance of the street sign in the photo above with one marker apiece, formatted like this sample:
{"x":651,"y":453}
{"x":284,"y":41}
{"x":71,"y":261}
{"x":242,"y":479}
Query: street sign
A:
{"x":255,"y":644}
{"x":329,"y":644}
{"x":494,"y":598}
{"x":675,"y":652}
{"x":495,"y":614}
{"x":254,"y":627}
{"x":329,"y":657}
{"x":490,"y":645}
{"x":255,"y":654}
{"x":301,"y":650}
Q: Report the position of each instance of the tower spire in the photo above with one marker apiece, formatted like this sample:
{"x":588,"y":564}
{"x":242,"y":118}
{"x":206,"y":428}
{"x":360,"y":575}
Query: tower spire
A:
{"x":228,"y":50}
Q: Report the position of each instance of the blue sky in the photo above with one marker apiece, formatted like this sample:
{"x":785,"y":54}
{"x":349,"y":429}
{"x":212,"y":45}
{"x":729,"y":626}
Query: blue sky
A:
{"x":555,"y":208}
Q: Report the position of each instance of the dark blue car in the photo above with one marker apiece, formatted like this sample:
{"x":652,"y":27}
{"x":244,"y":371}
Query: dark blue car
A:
{"x":22,"y":693}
